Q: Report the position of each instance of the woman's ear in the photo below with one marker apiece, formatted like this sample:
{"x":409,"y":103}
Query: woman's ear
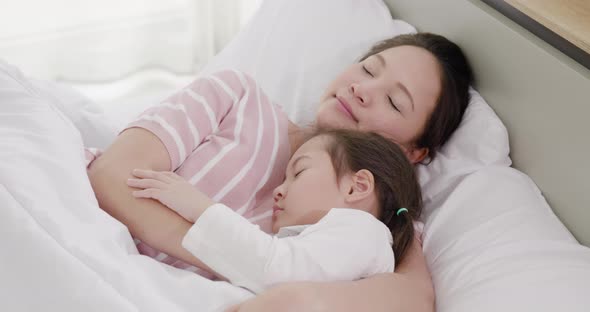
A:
{"x":362,"y":185}
{"x":416,"y":155}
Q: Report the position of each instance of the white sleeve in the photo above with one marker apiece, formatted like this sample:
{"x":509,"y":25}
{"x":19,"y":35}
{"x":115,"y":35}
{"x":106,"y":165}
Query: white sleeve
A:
{"x":230,"y":245}
{"x":346,"y":244}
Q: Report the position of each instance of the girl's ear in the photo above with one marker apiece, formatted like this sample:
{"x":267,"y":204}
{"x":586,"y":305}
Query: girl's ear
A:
{"x":361,"y":186}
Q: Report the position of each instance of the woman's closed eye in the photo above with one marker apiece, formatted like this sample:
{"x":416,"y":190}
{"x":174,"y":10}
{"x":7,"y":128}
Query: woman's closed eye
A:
{"x":393,"y":104}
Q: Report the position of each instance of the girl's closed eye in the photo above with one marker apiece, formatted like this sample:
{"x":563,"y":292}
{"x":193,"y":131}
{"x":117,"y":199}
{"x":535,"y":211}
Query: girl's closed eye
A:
{"x":367,"y":71}
{"x":297,"y":173}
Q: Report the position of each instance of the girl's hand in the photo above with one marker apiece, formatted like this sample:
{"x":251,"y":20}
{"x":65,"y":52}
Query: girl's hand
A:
{"x":171,"y":190}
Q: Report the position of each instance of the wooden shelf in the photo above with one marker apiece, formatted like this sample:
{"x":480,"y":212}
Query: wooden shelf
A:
{"x":568,"y":18}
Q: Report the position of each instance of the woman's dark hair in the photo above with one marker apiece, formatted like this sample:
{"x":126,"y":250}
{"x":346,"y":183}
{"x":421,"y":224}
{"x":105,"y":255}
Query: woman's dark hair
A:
{"x":456,"y":77}
{"x":396,"y":184}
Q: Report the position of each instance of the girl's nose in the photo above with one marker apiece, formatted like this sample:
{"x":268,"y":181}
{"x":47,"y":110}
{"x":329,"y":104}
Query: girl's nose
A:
{"x":277,"y":193}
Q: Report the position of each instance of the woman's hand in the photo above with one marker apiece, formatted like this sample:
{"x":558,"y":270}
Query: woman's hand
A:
{"x":289,"y":297}
{"x":386,"y":292}
{"x":171,"y":190}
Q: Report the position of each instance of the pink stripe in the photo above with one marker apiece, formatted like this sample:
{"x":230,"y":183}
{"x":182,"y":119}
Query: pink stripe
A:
{"x":216,"y":99}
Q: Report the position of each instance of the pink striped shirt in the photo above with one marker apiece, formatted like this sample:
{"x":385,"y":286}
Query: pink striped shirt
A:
{"x":226,"y":137}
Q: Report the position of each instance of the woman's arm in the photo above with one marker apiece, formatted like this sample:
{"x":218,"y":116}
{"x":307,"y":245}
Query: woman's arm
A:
{"x":146,"y":219}
{"x":408,"y":289}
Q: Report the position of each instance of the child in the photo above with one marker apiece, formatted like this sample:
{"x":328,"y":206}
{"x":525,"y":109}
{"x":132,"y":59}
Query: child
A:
{"x":347,"y":198}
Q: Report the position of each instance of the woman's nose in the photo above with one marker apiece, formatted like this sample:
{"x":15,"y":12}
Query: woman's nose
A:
{"x":359,"y":93}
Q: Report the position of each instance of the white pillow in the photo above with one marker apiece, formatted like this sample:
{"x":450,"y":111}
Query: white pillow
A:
{"x":295,"y":48}
{"x":495,"y":245}
{"x":481,"y":140}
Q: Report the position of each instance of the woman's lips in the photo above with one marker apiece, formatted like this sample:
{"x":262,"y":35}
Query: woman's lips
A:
{"x":344,"y":107}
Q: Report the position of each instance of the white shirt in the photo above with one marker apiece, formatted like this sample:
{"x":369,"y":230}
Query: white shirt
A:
{"x":346,"y":244}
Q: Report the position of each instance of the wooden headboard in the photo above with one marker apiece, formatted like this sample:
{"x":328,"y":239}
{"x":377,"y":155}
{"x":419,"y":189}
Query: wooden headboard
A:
{"x":541,"y":95}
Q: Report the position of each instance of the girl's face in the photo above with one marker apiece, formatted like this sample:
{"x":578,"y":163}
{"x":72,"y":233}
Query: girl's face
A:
{"x":392,"y":93}
{"x":310,"y":188}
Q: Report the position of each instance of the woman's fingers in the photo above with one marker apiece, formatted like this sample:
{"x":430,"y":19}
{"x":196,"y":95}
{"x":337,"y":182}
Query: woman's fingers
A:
{"x":146,"y":183}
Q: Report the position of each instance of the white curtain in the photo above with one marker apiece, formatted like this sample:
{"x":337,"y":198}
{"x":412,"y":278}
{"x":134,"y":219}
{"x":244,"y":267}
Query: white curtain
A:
{"x":106,"y":40}
{"x":217,"y":21}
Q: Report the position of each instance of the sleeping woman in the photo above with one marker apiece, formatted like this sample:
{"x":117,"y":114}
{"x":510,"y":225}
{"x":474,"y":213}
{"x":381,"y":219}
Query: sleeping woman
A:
{"x":224,"y":136}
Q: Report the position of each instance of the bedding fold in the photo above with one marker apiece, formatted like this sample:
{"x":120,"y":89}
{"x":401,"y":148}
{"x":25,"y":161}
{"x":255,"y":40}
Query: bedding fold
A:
{"x":60,"y":250}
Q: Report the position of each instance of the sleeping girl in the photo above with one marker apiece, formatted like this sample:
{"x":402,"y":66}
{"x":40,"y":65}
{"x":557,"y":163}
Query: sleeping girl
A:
{"x":345,"y":211}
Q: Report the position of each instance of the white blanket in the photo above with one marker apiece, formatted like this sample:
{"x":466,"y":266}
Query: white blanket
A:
{"x":58,"y":250}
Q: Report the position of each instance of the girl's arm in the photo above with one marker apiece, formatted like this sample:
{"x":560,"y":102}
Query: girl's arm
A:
{"x":408,"y":289}
{"x":325,"y":251}
{"x":148,"y":220}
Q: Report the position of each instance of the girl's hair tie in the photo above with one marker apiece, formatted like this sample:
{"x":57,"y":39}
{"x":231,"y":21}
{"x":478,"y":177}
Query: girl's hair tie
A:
{"x":401,"y":210}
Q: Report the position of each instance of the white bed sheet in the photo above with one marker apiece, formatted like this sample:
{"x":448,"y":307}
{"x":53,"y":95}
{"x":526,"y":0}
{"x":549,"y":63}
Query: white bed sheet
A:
{"x":60,"y":251}
{"x":491,"y":241}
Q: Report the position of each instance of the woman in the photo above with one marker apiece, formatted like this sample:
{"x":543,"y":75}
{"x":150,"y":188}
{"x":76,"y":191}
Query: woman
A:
{"x":412,"y":89}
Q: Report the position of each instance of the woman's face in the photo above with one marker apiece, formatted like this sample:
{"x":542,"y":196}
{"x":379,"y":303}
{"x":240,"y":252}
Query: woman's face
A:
{"x":392,"y":93}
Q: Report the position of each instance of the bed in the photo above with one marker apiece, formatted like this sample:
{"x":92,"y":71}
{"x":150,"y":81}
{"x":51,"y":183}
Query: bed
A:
{"x":506,"y":203}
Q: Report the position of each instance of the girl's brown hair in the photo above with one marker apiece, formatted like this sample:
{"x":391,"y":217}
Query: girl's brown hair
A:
{"x":396,"y":184}
{"x":456,"y":76}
